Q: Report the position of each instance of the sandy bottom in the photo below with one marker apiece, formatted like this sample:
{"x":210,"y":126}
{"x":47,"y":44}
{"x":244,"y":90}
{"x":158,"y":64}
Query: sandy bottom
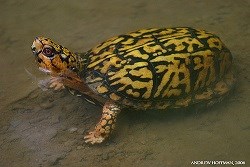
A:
{"x":46,"y":128}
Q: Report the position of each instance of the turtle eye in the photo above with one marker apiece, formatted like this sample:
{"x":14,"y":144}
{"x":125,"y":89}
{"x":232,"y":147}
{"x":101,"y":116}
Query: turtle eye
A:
{"x":48,"y":52}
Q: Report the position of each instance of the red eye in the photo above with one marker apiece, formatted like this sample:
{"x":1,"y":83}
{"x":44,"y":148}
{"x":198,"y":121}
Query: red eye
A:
{"x":48,"y":52}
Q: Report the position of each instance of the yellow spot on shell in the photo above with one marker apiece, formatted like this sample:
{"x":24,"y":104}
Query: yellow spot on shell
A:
{"x":137,"y":53}
{"x":114,"y":97}
{"x":153,"y":49}
{"x":142,"y":73}
{"x":102,"y":89}
{"x":180,"y":44}
{"x":131,"y":92}
{"x":111,"y":73}
{"x":111,"y":62}
{"x":214,"y":43}
{"x":160,"y":68}
{"x":139,"y":44}
{"x":129,"y":41}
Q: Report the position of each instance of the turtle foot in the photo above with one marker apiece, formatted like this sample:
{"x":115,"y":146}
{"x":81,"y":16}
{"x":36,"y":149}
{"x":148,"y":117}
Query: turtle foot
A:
{"x":93,"y":138}
{"x":56,"y":83}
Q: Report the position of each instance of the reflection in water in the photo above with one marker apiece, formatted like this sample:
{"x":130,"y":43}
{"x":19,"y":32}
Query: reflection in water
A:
{"x":44,"y":84}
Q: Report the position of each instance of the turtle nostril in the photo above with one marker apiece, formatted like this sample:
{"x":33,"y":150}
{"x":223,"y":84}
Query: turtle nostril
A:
{"x":33,"y":48}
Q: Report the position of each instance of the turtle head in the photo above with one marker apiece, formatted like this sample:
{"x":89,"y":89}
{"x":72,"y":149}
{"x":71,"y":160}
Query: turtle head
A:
{"x":53,"y":57}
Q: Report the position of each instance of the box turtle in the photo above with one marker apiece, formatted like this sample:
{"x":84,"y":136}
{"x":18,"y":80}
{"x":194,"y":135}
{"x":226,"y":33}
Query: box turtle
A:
{"x":147,"y":69}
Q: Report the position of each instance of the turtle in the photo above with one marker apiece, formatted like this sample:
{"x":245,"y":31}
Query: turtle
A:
{"x":154,"y":68}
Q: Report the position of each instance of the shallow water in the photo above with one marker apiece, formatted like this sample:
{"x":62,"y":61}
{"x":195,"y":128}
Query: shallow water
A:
{"x":46,"y":128}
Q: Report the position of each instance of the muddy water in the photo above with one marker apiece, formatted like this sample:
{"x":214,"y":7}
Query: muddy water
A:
{"x":46,"y":128}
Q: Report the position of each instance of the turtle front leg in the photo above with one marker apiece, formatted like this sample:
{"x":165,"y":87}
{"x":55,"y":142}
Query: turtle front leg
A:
{"x":106,"y":124}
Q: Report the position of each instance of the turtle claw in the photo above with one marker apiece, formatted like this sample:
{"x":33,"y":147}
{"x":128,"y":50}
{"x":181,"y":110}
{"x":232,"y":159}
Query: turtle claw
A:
{"x":93,"y":138}
{"x":56,"y":84}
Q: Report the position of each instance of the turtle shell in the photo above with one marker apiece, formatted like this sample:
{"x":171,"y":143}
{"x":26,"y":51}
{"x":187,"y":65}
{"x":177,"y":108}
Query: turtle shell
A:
{"x":160,"y":68}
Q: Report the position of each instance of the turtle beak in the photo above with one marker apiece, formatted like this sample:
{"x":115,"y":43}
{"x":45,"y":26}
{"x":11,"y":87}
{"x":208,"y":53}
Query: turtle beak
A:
{"x":34,"y":49}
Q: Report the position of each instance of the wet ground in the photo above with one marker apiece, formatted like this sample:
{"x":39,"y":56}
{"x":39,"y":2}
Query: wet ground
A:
{"x":46,"y":128}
